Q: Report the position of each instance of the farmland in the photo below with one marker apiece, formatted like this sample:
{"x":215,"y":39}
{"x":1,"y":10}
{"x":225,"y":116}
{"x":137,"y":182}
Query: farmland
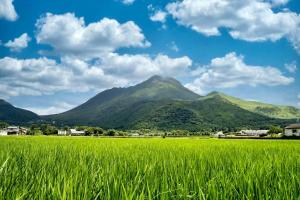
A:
{"x":110,"y":168}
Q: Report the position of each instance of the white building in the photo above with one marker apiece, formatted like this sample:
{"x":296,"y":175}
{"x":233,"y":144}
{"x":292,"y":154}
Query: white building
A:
{"x":76,"y":133}
{"x":219,"y":134}
{"x":254,"y":132}
{"x":62,"y":132}
{"x":13,"y":130}
{"x":292,"y":130}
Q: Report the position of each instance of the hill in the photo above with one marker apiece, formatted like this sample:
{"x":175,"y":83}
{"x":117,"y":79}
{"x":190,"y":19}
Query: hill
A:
{"x":269,"y":110}
{"x":11,"y":114}
{"x":161,"y":103}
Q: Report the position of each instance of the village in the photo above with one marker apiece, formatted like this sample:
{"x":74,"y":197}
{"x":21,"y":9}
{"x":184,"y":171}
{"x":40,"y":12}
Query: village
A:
{"x":292,"y":130}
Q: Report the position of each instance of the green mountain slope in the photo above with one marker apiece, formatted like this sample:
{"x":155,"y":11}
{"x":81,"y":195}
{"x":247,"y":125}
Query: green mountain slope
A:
{"x":161,"y":103}
{"x":111,"y":102}
{"x":275,"y":111}
{"x":11,"y":114}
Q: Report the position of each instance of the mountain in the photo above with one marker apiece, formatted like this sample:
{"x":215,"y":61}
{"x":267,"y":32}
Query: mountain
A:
{"x":269,"y":110}
{"x":11,"y":114}
{"x":161,"y":103}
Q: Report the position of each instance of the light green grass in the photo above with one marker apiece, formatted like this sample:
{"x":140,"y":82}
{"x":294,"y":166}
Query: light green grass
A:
{"x":103,"y":168}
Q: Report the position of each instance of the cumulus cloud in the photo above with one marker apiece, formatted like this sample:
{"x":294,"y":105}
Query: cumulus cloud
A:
{"x":159,"y":16}
{"x":7,"y":10}
{"x":141,"y":66}
{"x":19,"y":43}
{"x":291,"y":67}
{"x":249,"y":20}
{"x":69,"y":35}
{"x":231,"y":71}
{"x":46,"y":76}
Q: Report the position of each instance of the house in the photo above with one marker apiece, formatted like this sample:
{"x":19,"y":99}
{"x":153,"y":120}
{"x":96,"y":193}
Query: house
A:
{"x":219,"y":134}
{"x":253,"y":132}
{"x":292,"y":130}
{"x":62,"y":132}
{"x":76,"y":133}
{"x":13,"y":130}
{"x":23,"y":131}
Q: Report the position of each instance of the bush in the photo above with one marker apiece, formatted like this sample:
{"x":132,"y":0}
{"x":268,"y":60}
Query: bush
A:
{"x":111,"y":132}
{"x":275,"y":130}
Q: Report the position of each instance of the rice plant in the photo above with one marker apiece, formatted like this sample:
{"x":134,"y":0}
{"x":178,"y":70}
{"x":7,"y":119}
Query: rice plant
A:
{"x":104,"y":168}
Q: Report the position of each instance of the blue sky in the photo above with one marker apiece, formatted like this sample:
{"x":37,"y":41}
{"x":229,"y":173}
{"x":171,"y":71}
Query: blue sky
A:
{"x":56,"y":54}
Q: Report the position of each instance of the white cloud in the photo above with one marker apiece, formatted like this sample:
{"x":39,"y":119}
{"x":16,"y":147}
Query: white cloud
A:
{"x":159,"y":16}
{"x":174,"y":46}
{"x":7,"y":10}
{"x":250,"y":20}
{"x":54,"y":109}
{"x":231,"y":71}
{"x":128,"y":2}
{"x":278,"y":2}
{"x":141,"y":66}
{"x":46,"y":76}
{"x":69,"y":35}
{"x":18,"y":43}
{"x":291,"y":67}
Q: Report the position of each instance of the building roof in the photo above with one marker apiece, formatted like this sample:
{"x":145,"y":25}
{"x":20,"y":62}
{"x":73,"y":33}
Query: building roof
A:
{"x":74,"y":131}
{"x":255,"y":131}
{"x":293,"y":126}
{"x":12,"y":127}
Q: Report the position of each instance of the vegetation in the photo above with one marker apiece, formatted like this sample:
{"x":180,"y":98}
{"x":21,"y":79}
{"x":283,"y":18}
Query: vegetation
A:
{"x":94,"y":168}
{"x":269,"y":110}
{"x":275,"y":130}
{"x":164,"y":104}
{"x":11,"y":114}
{"x":3,"y":125}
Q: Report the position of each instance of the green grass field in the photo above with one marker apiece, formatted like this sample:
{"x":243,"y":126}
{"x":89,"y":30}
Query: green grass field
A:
{"x":104,"y":168}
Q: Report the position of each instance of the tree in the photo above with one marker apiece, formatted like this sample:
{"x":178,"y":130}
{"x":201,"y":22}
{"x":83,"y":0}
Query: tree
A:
{"x":275,"y":130}
{"x":111,"y":132}
{"x":3,"y":125}
{"x":49,"y":129}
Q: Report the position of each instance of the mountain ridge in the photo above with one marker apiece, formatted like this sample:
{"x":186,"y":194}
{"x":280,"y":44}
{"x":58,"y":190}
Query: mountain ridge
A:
{"x":162,"y":103}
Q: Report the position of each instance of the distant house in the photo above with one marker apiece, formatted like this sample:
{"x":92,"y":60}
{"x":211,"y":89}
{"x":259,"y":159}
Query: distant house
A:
{"x":253,"y":132}
{"x":23,"y":131}
{"x":13,"y":130}
{"x":292,"y":130}
{"x":76,"y":133}
{"x":62,"y":132}
{"x":219,"y":134}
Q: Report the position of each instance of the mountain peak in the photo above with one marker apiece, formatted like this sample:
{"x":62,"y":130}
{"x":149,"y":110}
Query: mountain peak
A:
{"x":157,"y":78}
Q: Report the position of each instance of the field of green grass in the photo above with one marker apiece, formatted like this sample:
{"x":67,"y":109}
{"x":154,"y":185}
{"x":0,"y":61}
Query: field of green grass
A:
{"x":104,"y":168}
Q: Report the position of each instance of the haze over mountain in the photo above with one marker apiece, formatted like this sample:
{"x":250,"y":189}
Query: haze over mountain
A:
{"x":164,"y":103}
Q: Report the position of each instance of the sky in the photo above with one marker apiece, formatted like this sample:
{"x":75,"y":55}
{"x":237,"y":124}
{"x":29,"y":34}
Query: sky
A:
{"x":56,"y":54}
